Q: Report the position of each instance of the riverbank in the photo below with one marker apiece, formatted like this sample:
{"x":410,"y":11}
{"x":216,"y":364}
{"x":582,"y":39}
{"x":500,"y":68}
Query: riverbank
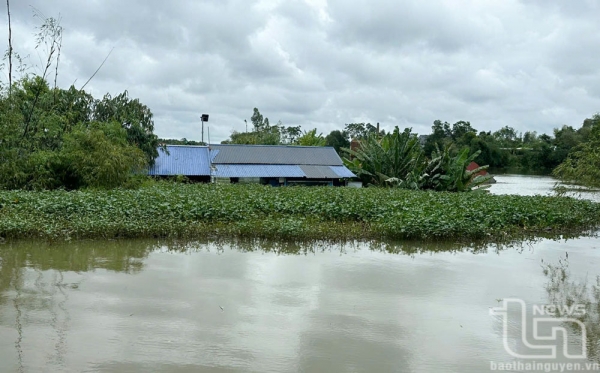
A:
{"x":195,"y":211}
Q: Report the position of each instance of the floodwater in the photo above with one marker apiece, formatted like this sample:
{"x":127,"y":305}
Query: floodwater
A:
{"x":153,"y":306}
{"x":529,"y":185}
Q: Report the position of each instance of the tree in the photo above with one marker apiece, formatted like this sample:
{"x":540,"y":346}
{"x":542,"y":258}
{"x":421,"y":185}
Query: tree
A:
{"x":263,"y":133}
{"x":289,"y":135}
{"x":507,"y":137}
{"x":489,"y":151}
{"x":183,"y":141}
{"x":63,"y":138}
{"x":134,"y":117}
{"x":100,"y":156}
{"x":260,"y":124}
{"x":361,"y":130}
{"x":530,"y":138}
{"x":461,"y":129}
{"x":582,"y":165}
{"x":440,"y":136}
{"x":338,"y":140}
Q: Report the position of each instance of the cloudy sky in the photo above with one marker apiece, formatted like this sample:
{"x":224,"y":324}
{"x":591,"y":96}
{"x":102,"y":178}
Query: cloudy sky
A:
{"x":530,"y":64}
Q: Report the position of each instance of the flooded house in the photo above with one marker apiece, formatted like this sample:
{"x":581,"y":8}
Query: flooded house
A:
{"x":276,"y":165}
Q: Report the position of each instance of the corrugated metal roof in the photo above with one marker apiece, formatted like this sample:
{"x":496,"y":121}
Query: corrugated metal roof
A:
{"x":267,"y":170}
{"x":195,"y":161}
{"x":319,"y":172}
{"x":182,"y":160}
{"x":213,"y":153}
{"x":276,"y":154}
{"x":342,"y":171}
{"x":257,"y":170}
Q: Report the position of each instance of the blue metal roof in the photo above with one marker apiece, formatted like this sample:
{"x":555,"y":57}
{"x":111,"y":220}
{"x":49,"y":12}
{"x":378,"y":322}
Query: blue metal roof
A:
{"x":268,"y":170}
{"x":318,"y":172}
{"x":342,"y":171}
{"x":182,"y":160}
{"x":196,"y":161}
{"x":257,"y":170}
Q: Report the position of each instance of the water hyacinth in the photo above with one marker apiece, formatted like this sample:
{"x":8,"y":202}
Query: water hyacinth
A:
{"x":216,"y":210}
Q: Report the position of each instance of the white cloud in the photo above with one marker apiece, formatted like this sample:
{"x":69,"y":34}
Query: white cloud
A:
{"x":324,"y":63}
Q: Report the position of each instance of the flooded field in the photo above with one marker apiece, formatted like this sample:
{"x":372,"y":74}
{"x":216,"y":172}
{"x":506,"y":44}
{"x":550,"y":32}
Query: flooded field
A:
{"x":153,"y":306}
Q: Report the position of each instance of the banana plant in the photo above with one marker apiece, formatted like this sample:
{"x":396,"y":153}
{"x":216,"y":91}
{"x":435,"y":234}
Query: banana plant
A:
{"x":445,"y":172}
{"x":394,"y":156}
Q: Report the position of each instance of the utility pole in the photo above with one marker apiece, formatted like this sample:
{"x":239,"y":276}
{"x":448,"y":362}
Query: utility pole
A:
{"x":203,"y":118}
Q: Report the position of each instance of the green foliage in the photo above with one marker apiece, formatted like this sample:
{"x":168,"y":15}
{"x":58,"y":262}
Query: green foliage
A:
{"x":397,"y":159}
{"x":134,"y":117}
{"x":262,"y":134}
{"x":64,"y":138}
{"x":508,"y":148}
{"x":440,"y":137}
{"x":99,"y":156}
{"x":51,"y":138}
{"x":260,"y":124}
{"x":183,"y":141}
{"x":310,"y":138}
{"x":289,"y":135}
{"x":397,"y":155}
{"x":582,"y":166}
{"x":338,"y":140}
{"x":362,"y":130}
{"x":167,"y":209}
{"x":445,"y":172}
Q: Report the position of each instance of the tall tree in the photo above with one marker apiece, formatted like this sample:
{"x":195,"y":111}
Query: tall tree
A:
{"x":289,"y":135}
{"x":135,"y":117}
{"x":507,"y":137}
{"x":338,"y":140}
{"x":263,"y":132}
{"x":582,"y":166}
{"x":361,"y":130}
{"x":440,"y":136}
{"x":260,"y":124}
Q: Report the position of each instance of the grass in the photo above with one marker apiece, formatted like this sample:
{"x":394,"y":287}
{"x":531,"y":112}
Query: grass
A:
{"x":189,"y":211}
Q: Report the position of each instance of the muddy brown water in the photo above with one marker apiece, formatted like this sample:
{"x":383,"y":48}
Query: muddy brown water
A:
{"x":152,"y":306}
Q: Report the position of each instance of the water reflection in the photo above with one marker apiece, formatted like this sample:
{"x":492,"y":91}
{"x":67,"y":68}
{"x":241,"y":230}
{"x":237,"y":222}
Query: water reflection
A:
{"x":36,"y":279}
{"x":256,"y":305}
{"x":565,"y":289}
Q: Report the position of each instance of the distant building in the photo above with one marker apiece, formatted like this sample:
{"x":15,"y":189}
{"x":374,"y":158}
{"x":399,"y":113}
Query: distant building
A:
{"x":472,"y":166}
{"x":268,"y":164}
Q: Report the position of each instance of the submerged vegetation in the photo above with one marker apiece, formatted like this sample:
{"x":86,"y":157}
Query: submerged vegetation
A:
{"x":197,"y":210}
{"x":563,"y":290}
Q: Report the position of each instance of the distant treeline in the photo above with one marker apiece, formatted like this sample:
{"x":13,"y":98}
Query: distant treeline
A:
{"x":568,"y":147}
{"x":508,"y":148}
